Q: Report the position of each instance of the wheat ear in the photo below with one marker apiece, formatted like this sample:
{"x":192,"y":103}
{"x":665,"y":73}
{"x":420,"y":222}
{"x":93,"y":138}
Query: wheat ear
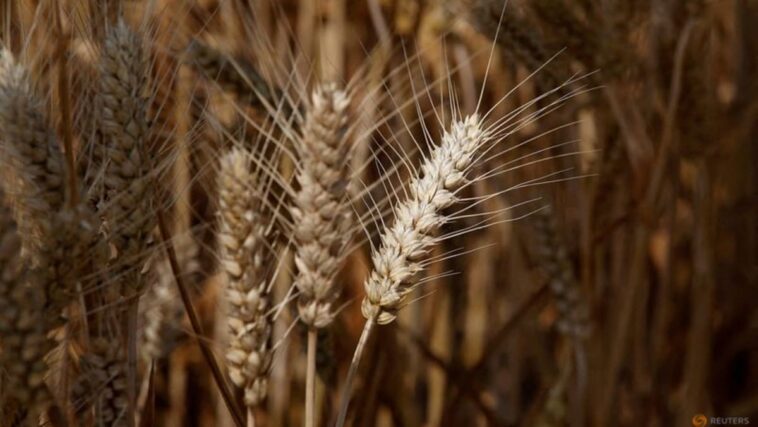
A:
{"x":30,"y":153}
{"x":51,"y":236}
{"x":123,"y":122}
{"x":573,"y":308}
{"x":235,"y":75}
{"x":102,"y":383}
{"x":164,"y":316}
{"x":573,"y":313}
{"x":23,"y":335}
{"x":406,"y":243}
{"x":242,"y":238}
{"x":322,"y":217}
{"x":124,"y":125}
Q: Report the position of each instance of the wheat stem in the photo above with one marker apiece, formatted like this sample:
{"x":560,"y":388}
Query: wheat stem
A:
{"x":65,"y":110}
{"x":310,"y":379}
{"x":347,"y":390}
{"x":408,"y":240}
{"x":322,"y":218}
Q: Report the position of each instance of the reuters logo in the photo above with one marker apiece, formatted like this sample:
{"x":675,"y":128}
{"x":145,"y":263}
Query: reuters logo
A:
{"x":699,"y":420}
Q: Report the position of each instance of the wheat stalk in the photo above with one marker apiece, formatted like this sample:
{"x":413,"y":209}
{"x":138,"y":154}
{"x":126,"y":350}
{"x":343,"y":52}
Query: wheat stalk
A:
{"x":242,"y":238}
{"x":234,"y":75}
{"x":322,"y":216}
{"x":124,"y":126}
{"x":406,"y":243}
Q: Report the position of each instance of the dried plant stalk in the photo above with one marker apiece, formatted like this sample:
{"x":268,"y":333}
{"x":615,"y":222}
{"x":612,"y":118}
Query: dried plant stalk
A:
{"x":242,"y":238}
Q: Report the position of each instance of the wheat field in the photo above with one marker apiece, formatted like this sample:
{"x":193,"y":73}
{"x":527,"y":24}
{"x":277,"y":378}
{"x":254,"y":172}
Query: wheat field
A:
{"x":244,"y":213}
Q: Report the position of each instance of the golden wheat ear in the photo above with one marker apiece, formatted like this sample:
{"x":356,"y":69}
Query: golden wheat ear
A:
{"x":322,"y":214}
{"x":242,"y":239}
{"x":406,"y":243}
{"x":322,"y":217}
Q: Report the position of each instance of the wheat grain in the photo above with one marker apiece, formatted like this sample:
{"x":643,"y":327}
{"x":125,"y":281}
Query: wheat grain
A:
{"x":242,"y":237}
